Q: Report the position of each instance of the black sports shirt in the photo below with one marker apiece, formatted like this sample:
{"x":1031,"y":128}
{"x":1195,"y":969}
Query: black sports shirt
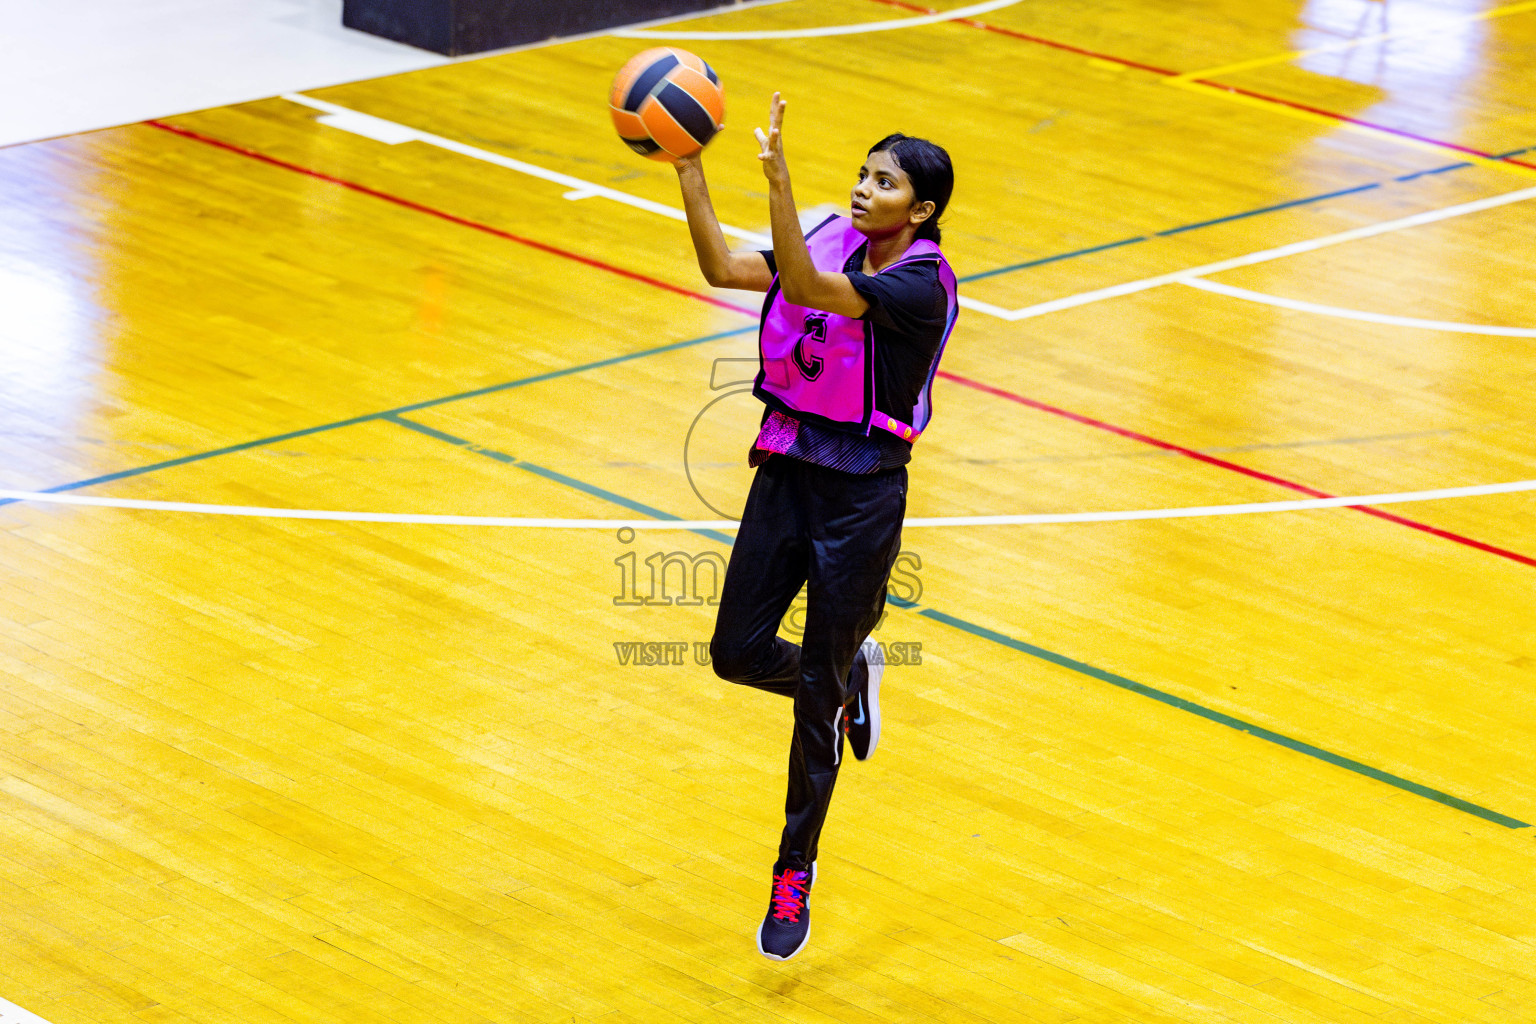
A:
{"x":907,"y":310}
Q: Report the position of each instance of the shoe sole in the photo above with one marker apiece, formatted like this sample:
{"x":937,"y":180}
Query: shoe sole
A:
{"x":872,"y":707}
{"x":772,"y":956}
{"x":797,"y":949}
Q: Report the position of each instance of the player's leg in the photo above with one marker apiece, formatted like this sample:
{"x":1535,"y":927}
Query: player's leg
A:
{"x":855,"y":539}
{"x":765,"y":572}
{"x":854,"y":523}
{"x":861,"y":708}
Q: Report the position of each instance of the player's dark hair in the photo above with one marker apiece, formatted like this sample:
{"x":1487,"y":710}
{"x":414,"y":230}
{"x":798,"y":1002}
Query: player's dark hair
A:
{"x":932,"y":175}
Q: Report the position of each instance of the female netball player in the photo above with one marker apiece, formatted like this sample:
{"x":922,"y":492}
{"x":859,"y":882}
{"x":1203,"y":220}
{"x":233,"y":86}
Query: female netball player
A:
{"x":856,"y":318}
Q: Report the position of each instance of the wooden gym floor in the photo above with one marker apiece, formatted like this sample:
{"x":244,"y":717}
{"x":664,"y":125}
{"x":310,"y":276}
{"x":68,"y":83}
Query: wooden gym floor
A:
{"x":1267,"y":767}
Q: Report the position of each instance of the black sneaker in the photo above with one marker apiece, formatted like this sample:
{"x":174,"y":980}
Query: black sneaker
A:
{"x":787,"y":927}
{"x":861,"y":715}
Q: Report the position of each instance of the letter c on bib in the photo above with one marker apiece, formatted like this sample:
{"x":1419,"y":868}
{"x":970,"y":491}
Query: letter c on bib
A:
{"x":810,"y":366}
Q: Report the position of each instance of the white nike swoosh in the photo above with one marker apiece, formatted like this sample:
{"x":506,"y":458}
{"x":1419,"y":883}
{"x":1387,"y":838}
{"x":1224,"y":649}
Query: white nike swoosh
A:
{"x":860,"y":720}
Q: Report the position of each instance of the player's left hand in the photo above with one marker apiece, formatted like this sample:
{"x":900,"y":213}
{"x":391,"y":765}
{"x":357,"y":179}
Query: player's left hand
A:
{"x":772,"y":143}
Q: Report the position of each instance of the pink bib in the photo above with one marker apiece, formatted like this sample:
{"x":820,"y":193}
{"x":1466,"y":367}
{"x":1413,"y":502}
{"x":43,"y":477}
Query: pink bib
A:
{"x":820,"y":365}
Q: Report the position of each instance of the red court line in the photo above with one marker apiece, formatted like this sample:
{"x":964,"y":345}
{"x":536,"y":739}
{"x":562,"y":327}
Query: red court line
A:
{"x":973,"y":23}
{"x":1366,"y":124}
{"x":452,"y":218}
{"x":1513,"y":556}
{"x":1123,"y":432}
{"x":1401,"y":133}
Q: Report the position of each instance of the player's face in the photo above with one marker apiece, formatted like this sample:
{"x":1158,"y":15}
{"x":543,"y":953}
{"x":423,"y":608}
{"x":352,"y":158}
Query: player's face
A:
{"x":883,"y":200}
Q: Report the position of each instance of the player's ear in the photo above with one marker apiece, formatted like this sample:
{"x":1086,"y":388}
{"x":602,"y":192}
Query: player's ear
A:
{"x":921,"y":212}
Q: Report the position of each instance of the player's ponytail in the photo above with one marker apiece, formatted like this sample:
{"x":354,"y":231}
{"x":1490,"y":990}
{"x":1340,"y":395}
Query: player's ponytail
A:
{"x":931,"y":174}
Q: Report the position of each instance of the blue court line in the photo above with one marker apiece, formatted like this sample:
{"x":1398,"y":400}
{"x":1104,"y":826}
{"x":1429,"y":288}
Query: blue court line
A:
{"x":393,"y":416}
{"x":1267,"y":209}
{"x":1227,"y":219}
{"x":1052,"y":259}
{"x":370,"y":417}
{"x":548,"y":474}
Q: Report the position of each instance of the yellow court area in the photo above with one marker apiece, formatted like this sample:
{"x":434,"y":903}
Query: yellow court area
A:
{"x":1260,"y":767}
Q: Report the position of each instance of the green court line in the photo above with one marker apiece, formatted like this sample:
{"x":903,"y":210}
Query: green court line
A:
{"x":1257,"y":731}
{"x":548,"y":474}
{"x":1290,"y":204}
{"x":1221,"y":719}
{"x":370,"y":417}
{"x":393,"y":415}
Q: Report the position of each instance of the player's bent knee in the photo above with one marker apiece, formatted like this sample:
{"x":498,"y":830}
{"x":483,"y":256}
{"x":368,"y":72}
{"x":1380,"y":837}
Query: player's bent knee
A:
{"x":733,"y":662}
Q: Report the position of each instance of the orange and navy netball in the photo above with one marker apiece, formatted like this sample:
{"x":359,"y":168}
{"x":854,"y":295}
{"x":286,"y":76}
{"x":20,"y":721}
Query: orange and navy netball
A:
{"x":666,"y":103}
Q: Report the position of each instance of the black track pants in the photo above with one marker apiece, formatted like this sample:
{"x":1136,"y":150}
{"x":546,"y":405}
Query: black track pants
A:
{"x":839,"y":533}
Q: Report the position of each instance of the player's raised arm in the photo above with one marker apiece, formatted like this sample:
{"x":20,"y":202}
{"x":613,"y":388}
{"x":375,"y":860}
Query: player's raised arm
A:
{"x":721,"y":267}
{"x":803,"y":284}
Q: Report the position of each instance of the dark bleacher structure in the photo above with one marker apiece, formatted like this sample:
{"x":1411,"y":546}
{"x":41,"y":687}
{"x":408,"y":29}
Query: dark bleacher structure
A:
{"x":457,"y":27}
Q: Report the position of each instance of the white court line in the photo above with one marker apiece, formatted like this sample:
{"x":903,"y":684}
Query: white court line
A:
{"x":829,"y":30}
{"x":392,"y":133}
{"x":1181,"y":276}
{"x":1357,"y":314}
{"x":1030,"y":519}
{"x":10,"y":1013}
